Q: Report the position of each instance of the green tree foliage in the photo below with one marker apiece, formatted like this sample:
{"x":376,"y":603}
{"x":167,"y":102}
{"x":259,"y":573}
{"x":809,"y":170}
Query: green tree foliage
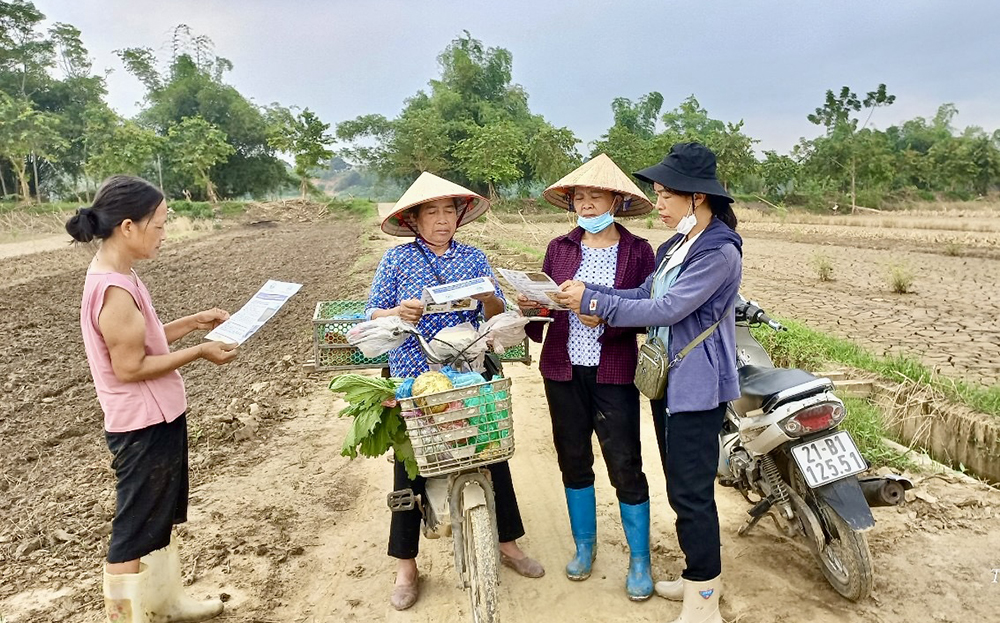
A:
{"x":633,"y":141}
{"x":25,"y":54}
{"x":29,"y":61}
{"x":115,"y":145}
{"x":473,"y":126}
{"x":195,"y":147}
{"x":26,"y":133}
{"x":303,"y":136}
{"x":491,"y":155}
{"x":849,"y":160}
{"x":551,"y":151}
{"x":848,"y":149}
{"x":192,"y":86}
{"x":778,"y":173}
{"x":639,"y":117}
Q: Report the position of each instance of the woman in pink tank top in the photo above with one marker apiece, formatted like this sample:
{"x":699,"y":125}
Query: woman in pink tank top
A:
{"x":142,"y":396}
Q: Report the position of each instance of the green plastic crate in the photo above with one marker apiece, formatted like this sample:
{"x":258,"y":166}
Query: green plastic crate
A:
{"x":331,"y":322}
{"x":333,"y":319}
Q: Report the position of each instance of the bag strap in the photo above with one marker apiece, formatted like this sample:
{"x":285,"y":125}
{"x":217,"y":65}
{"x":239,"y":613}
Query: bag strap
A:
{"x":429,"y":261}
{"x":698,"y":340}
{"x":669,"y":254}
{"x":666,"y":258}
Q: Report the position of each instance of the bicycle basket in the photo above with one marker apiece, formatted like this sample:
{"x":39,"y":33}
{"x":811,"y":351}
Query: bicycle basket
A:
{"x":460,"y":428}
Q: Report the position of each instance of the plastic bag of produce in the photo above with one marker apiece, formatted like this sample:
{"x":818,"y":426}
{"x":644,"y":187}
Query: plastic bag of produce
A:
{"x":462,"y":379}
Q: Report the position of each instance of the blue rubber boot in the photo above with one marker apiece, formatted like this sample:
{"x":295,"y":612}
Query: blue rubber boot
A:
{"x":635,"y":521}
{"x":582,"y":504}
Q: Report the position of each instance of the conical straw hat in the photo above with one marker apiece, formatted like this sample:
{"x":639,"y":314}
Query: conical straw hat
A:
{"x":600,"y":172}
{"x":429,"y":187}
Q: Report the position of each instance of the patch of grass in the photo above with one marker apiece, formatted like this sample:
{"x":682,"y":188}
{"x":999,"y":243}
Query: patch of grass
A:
{"x":958,"y":195}
{"x":523,"y":248}
{"x":953,"y":249}
{"x":232,"y":208}
{"x":10,"y":207}
{"x":802,"y":347}
{"x":353,"y":206}
{"x":900,"y":279}
{"x":865,"y":423}
{"x":824,"y":267}
{"x":192,"y":209}
{"x":206,"y":210}
{"x":649,"y":221}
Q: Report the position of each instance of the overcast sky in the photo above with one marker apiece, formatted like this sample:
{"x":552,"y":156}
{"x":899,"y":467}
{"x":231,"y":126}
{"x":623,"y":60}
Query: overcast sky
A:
{"x":768,"y":62}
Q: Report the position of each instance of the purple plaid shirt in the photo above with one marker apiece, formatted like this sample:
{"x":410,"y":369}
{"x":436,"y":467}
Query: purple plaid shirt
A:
{"x":618,"y":347}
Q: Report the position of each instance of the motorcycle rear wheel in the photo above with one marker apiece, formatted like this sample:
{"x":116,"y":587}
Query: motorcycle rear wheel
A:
{"x":481,"y":560}
{"x":845,"y":561}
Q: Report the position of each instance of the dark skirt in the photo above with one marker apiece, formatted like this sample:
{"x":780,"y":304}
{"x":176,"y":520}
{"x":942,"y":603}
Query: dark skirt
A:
{"x":151,"y":466}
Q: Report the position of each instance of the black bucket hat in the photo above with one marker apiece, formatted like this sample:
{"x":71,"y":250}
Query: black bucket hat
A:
{"x":688,"y":168}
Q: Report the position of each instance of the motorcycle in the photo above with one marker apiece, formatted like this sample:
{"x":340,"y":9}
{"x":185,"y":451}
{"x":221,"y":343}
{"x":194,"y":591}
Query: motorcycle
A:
{"x":781,"y":447}
{"x":455,"y":434}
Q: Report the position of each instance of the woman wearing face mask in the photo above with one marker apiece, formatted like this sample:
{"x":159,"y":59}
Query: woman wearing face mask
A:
{"x":588,"y":367}
{"x":694,"y":287}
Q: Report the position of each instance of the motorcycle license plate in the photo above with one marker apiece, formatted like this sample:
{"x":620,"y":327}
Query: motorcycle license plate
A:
{"x":828,"y":459}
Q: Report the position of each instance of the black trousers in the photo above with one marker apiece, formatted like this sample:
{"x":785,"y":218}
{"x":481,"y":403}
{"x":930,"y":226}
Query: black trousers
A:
{"x":579,"y":408}
{"x":689,"y":449}
{"x":404,"y":531}
{"x":151,"y":469}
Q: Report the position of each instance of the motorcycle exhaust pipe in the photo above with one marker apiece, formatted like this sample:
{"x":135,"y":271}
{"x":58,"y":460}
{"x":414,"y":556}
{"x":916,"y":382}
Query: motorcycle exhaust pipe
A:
{"x":885,"y":491}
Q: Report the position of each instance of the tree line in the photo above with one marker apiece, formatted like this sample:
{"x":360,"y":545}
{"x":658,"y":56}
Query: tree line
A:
{"x":197,"y":136}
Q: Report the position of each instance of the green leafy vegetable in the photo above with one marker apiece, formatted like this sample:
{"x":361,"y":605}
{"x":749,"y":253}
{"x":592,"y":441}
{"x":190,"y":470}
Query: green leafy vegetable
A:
{"x":376,"y":428}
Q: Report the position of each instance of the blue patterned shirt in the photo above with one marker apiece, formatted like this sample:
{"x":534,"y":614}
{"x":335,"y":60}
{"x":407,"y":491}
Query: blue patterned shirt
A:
{"x":403,"y":274}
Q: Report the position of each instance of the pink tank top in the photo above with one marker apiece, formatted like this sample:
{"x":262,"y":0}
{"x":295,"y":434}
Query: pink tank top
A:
{"x":137,"y":404}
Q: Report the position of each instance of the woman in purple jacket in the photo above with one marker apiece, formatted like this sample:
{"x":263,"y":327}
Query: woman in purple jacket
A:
{"x":588,"y":368}
{"x":694,"y":286}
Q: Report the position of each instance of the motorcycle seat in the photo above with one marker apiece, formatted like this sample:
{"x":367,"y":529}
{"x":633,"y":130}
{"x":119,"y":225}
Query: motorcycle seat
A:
{"x":762,"y":384}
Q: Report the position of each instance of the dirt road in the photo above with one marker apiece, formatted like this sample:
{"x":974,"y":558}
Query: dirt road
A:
{"x":291,"y":531}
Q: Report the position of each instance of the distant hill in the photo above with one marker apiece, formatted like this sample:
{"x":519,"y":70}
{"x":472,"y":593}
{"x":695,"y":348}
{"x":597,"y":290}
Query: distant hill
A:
{"x":342,"y":179}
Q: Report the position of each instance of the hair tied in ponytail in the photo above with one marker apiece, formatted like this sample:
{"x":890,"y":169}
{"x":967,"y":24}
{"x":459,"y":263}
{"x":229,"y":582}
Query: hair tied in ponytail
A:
{"x":120,"y":198}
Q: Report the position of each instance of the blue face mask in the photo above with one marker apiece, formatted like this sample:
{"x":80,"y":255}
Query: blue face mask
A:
{"x":596,"y":224}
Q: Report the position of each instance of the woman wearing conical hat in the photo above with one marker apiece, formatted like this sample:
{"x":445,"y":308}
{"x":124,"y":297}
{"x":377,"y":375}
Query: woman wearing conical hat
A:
{"x":687,"y":303}
{"x":430,"y":211}
{"x":588,"y":368}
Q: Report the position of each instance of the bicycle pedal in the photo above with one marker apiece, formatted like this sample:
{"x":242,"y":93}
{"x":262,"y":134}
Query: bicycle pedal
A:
{"x":403,"y":500}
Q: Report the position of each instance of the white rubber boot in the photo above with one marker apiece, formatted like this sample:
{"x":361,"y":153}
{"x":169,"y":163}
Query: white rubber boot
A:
{"x":701,"y":602}
{"x":123,"y":596}
{"x":670,"y":589}
{"x":674,"y":589}
{"x":166,"y":601}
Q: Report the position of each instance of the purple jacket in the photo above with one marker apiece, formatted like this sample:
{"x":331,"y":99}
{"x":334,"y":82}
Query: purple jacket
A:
{"x":705,"y":289}
{"x":618,"y":347}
